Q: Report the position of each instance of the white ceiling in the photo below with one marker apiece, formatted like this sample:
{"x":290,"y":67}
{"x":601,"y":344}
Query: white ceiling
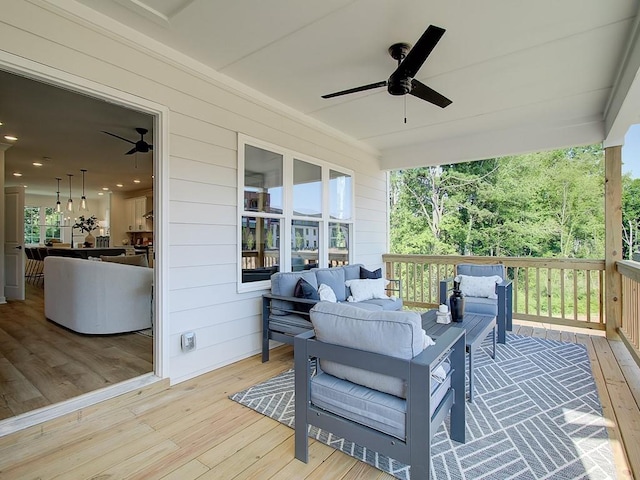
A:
{"x":522,"y":76}
{"x":535,"y":66}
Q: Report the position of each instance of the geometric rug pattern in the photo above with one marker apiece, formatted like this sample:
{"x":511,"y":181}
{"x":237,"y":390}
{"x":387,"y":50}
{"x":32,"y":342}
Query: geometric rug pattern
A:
{"x":535,"y":415}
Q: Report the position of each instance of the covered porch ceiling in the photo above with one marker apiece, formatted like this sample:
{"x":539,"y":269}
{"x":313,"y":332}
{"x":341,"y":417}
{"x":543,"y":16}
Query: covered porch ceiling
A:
{"x":523,"y":76}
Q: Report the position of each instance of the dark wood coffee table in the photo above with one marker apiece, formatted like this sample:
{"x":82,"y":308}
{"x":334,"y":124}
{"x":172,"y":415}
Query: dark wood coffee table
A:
{"x":476,"y":326}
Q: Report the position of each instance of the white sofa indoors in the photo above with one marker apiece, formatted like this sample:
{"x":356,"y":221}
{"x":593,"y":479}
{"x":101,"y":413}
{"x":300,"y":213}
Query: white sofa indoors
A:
{"x":96,"y":297}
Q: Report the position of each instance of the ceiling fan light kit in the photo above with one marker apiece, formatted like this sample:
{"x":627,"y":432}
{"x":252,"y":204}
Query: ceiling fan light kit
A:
{"x":402,"y":81}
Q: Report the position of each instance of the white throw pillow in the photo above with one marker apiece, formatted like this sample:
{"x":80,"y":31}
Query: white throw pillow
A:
{"x":366,"y":289}
{"x":479,"y":286}
{"x":326,"y":293}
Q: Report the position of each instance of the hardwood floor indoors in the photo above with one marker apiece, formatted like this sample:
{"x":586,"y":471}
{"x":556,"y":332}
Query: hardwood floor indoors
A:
{"x":192,"y":430}
{"x":42,"y":363}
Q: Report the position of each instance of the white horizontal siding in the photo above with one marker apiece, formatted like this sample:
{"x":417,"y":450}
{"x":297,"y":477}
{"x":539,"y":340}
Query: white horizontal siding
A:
{"x":201,"y":275}
{"x":205,"y":118}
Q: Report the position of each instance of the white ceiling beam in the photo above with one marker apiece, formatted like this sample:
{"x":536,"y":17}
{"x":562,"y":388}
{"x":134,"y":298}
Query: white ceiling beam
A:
{"x":622,"y":108}
{"x":493,"y":144}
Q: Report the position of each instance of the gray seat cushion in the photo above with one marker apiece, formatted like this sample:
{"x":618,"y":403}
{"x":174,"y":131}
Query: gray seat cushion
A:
{"x":291,"y":324}
{"x":390,"y":305}
{"x":372,"y":307}
{"x":378,"y":410}
{"x":481,"y":305}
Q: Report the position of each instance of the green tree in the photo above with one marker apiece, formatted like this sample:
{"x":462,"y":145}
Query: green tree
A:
{"x":542,"y":204}
{"x":630,"y":215}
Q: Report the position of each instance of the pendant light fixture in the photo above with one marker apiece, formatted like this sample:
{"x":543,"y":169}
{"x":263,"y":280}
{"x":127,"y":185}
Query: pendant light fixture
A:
{"x":70,"y":201}
{"x":58,"y":206}
{"x":83,"y":199}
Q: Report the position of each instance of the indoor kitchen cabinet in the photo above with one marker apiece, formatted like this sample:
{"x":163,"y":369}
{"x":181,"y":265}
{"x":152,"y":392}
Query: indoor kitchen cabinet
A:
{"x":135,"y":209}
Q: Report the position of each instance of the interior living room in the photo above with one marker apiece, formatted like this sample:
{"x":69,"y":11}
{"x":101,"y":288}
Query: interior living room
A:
{"x":214,"y":80}
{"x":69,"y":169}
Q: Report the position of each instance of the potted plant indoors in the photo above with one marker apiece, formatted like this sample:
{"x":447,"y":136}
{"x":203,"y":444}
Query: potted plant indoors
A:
{"x":87,"y":225}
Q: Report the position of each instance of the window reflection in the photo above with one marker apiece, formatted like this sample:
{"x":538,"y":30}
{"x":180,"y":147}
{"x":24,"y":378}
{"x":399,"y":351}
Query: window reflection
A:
{"x":305,"y":239}
{"x":262,"y":180}
{"x":340,"y":195}
{"x":307,"y":189}
{"x":339,"y":235}
{"x":260,"y":248}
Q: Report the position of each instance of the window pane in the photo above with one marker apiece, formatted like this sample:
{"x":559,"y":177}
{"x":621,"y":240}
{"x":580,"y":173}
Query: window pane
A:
{"x":307,"y":189}
{"x":260,"y":248}
{"x":340,"y":195}
{"x":52,"y":223}
{"x":339,"y":244}
{"x":31,"y":225}
{"x":304,"y":245}
{"x":262,"y":180}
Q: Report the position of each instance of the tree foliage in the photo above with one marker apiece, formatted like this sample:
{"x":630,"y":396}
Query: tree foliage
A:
{"x":548,"y":204}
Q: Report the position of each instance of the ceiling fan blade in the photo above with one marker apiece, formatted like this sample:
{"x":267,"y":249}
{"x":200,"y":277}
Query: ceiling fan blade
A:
{"x":357,"y":89}
{"x":419,"y":53}
{"x":117,"y":136}
{"x":132,"y":151}
{"x":423,"y":92}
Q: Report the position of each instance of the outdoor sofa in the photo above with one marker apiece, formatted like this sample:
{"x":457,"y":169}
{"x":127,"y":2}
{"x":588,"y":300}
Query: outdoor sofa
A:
{"x":285,"y":315}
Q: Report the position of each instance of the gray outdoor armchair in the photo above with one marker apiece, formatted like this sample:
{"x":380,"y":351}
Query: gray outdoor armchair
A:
{"x":501,"y":307}
{"x":399,"y":425}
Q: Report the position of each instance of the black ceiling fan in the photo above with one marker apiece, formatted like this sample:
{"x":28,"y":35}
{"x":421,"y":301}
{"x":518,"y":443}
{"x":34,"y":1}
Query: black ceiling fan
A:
{"x":140,"y":146}
{"x":409,"y":60}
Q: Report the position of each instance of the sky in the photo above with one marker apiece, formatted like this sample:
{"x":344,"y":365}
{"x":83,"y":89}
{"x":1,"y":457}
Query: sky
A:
{"x":631,"y":152}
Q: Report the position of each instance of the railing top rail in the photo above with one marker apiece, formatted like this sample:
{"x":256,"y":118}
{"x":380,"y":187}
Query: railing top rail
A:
{"x":568,"y":263}
{"x":629,"y":269}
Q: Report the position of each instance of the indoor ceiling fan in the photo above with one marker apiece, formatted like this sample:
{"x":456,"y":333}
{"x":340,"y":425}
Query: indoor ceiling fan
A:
{"x":409,"y":60}
{"x":140,"y":146}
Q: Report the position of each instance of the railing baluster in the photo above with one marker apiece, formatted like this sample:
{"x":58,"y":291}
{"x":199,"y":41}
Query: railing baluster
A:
{"x":562,"y":306}
{"x":538,"y":291}
{"x":601,"y":297}
{"x":526,"y":290}
{"x":588,"y":282}
{"x":575,"y":295}
{"x":549,"y":293}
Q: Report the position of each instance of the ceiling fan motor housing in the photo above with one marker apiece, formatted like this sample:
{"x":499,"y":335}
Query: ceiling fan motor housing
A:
{"x":399,"y":86}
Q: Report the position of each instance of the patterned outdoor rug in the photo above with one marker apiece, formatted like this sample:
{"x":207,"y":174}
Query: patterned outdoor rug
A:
{"x":535,"y":414}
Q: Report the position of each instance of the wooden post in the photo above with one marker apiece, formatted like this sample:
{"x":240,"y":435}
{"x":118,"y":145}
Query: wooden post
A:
{"x":613,"y":238}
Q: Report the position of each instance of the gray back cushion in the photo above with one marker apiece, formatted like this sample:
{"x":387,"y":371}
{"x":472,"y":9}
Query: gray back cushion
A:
{"x":334,"y":278}
{"x":284,"y":283}
{"x":351,"y":272}
{"x":397,"y":334}
{"x":481,"y":270}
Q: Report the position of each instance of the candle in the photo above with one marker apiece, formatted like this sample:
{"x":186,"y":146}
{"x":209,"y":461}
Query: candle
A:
{"x":443,"y":308}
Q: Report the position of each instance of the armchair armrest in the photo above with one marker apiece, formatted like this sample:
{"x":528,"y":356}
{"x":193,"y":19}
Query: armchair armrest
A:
{"x":444,"y":288}
{"x":505,"y":308}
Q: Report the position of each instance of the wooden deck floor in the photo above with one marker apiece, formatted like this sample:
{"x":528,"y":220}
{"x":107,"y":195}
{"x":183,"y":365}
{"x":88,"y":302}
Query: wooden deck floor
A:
{"x":192,"y":430}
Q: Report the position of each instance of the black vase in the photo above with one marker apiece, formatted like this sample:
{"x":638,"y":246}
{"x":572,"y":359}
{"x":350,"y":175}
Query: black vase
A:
{"x":456,"y":303}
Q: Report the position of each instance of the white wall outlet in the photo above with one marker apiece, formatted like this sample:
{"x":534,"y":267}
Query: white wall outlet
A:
{"x":188,"y":341}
